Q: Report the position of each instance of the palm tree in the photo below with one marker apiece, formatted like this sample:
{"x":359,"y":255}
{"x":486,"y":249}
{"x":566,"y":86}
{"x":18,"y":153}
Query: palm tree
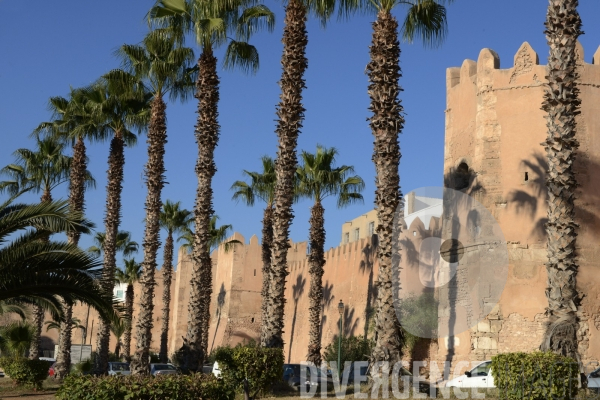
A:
{"x":72,"y":123}
{"x":118,"y":328}
{"x":16,"y":338}
{"x":129,"y":275}
{"x":319,"y":178}
{"x":561,"y":102}
{"x":211,"y":22}
{"x":262,"y":187}
{"x":58,"y":324}
{"x":174,"y":220}
{"x":10,"y":307}
{"x":40,"y":170}
{"x":121,"y":112}
{"x":218,"y":236}
{"x":34,"y":271}
{"x":167,"y":70}
{"x":290,"y":117}
{"x":124,"y":244}
{"x":427,"y":19}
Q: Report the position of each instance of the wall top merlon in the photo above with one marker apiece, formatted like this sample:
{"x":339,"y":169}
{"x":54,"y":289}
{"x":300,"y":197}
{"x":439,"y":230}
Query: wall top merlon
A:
{"x":524,"y":61}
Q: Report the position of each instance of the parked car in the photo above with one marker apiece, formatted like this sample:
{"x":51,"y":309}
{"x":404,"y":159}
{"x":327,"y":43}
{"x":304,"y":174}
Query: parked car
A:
{"x":163,"y":369}
{"x":292,"y":376}
{"x":594,"y":381}
{"x":1,"y":374}
{"x":118,"y":368}
{"x":478,"y":377}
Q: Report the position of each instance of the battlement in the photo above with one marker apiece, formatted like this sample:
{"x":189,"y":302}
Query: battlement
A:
{"x":526,"y":69}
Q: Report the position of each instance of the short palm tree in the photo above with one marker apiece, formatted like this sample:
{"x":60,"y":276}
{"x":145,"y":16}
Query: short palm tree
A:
{"x":561,"y":103}
{"x":426,"y":19}
{"x":58,"y":324}
{"x":261,"y":187}
{"x":319,"y":178}
{"x":118,"y":328}
{"x":34,"y":271}
{"x":174,"y":220}
{"x":167,"y":70}
{"x":129,"y":275}
{"x":16,"y":338}
{"x":121,"y":112}
{"x":40,"y":170}
{"x":213,"y":23}
{"x":124,"y":244}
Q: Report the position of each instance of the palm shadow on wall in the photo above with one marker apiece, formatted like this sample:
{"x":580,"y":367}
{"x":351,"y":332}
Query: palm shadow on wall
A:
{"x":367,"y":263}
{"x":220,"y":304}
{"x":528,"y":201}
{"x":327,"y":300}
{"x":462,"y":179}
{"x":297,"y":291}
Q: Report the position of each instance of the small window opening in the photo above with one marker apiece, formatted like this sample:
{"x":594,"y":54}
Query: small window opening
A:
{"x":254,"y":272}
{"x":461,"y":177}
{"x":252,"y":320}
{"x":526,"y":176}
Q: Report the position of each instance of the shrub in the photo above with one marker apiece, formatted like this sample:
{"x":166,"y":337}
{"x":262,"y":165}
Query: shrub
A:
{"x":251,"y":368}
{"x":176,"y":387}
{"x":533,"y":376}
{"x":354,"y":348}
{"x":25,"y":372}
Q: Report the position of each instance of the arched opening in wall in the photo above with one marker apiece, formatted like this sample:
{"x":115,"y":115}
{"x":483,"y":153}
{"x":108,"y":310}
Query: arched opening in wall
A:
{"x":462,"y":176}
{"x":252,"y":321}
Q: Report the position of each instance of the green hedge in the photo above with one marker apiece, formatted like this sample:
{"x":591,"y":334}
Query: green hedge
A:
{"x":250,"y":368}
{"x":535,"y":376}
{"x":25,"y":372}
{"x":176,"y":387}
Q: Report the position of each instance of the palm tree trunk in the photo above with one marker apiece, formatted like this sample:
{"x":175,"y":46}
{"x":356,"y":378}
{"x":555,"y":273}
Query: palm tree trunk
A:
{"x":155,"y":169}
{"x":207,"y":136}
{"x":167,"y":271}
{"x":290,"y":113}
{"x":267,"y":243}
{"x":116,"y":162}
{"x":129,"y":295}
{"x":386,"y":124}
{"x":76,"y":203}
{"x":37,"y":311}
{"x":316,"y":262}
{"x":561,"y":102}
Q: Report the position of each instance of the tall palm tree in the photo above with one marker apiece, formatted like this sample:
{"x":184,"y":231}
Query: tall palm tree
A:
{"x":319,"y":178}
{"x":166,"y":69}
{"x":213,"y":23}
{"x":261,"y":187}
{"x":427,"y":19}
{"x":129,"y":275}
{"x":218,"y":236}
{"x":40,"y":170}
{"x":122,"y":111}
{"x":561,"y":103}
{"x":174,"y":220}
{"x":34,"y":271}
{"x":290,"y":117}
{"x":72,"y":123}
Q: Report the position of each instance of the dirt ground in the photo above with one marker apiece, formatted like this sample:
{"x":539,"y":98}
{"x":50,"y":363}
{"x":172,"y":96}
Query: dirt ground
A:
{"x":9,"y":391}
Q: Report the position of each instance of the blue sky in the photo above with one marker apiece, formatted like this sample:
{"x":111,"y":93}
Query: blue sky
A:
{"x":47,"y":46}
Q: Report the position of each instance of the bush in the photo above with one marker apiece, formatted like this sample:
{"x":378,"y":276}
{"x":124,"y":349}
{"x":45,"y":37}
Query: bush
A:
{"x":25,"y":372}
{"x":535,"y":376}
{"x":251,"y":368}
{"x":176,"y":387}
{"x":354,"y":348}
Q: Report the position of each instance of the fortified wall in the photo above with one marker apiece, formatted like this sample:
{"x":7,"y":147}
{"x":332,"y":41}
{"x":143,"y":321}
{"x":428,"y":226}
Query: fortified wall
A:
{"x":494,"y":127}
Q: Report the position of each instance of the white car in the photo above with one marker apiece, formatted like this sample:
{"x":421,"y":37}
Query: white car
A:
{"x":594,"y":381}
{"x":478,"y":377}
{"x":215,"y":370}
{"x":118,"y":368}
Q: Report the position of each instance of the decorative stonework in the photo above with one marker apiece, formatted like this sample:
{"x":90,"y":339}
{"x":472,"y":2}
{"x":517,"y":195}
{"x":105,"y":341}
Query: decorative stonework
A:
{"x":523,"y":62}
